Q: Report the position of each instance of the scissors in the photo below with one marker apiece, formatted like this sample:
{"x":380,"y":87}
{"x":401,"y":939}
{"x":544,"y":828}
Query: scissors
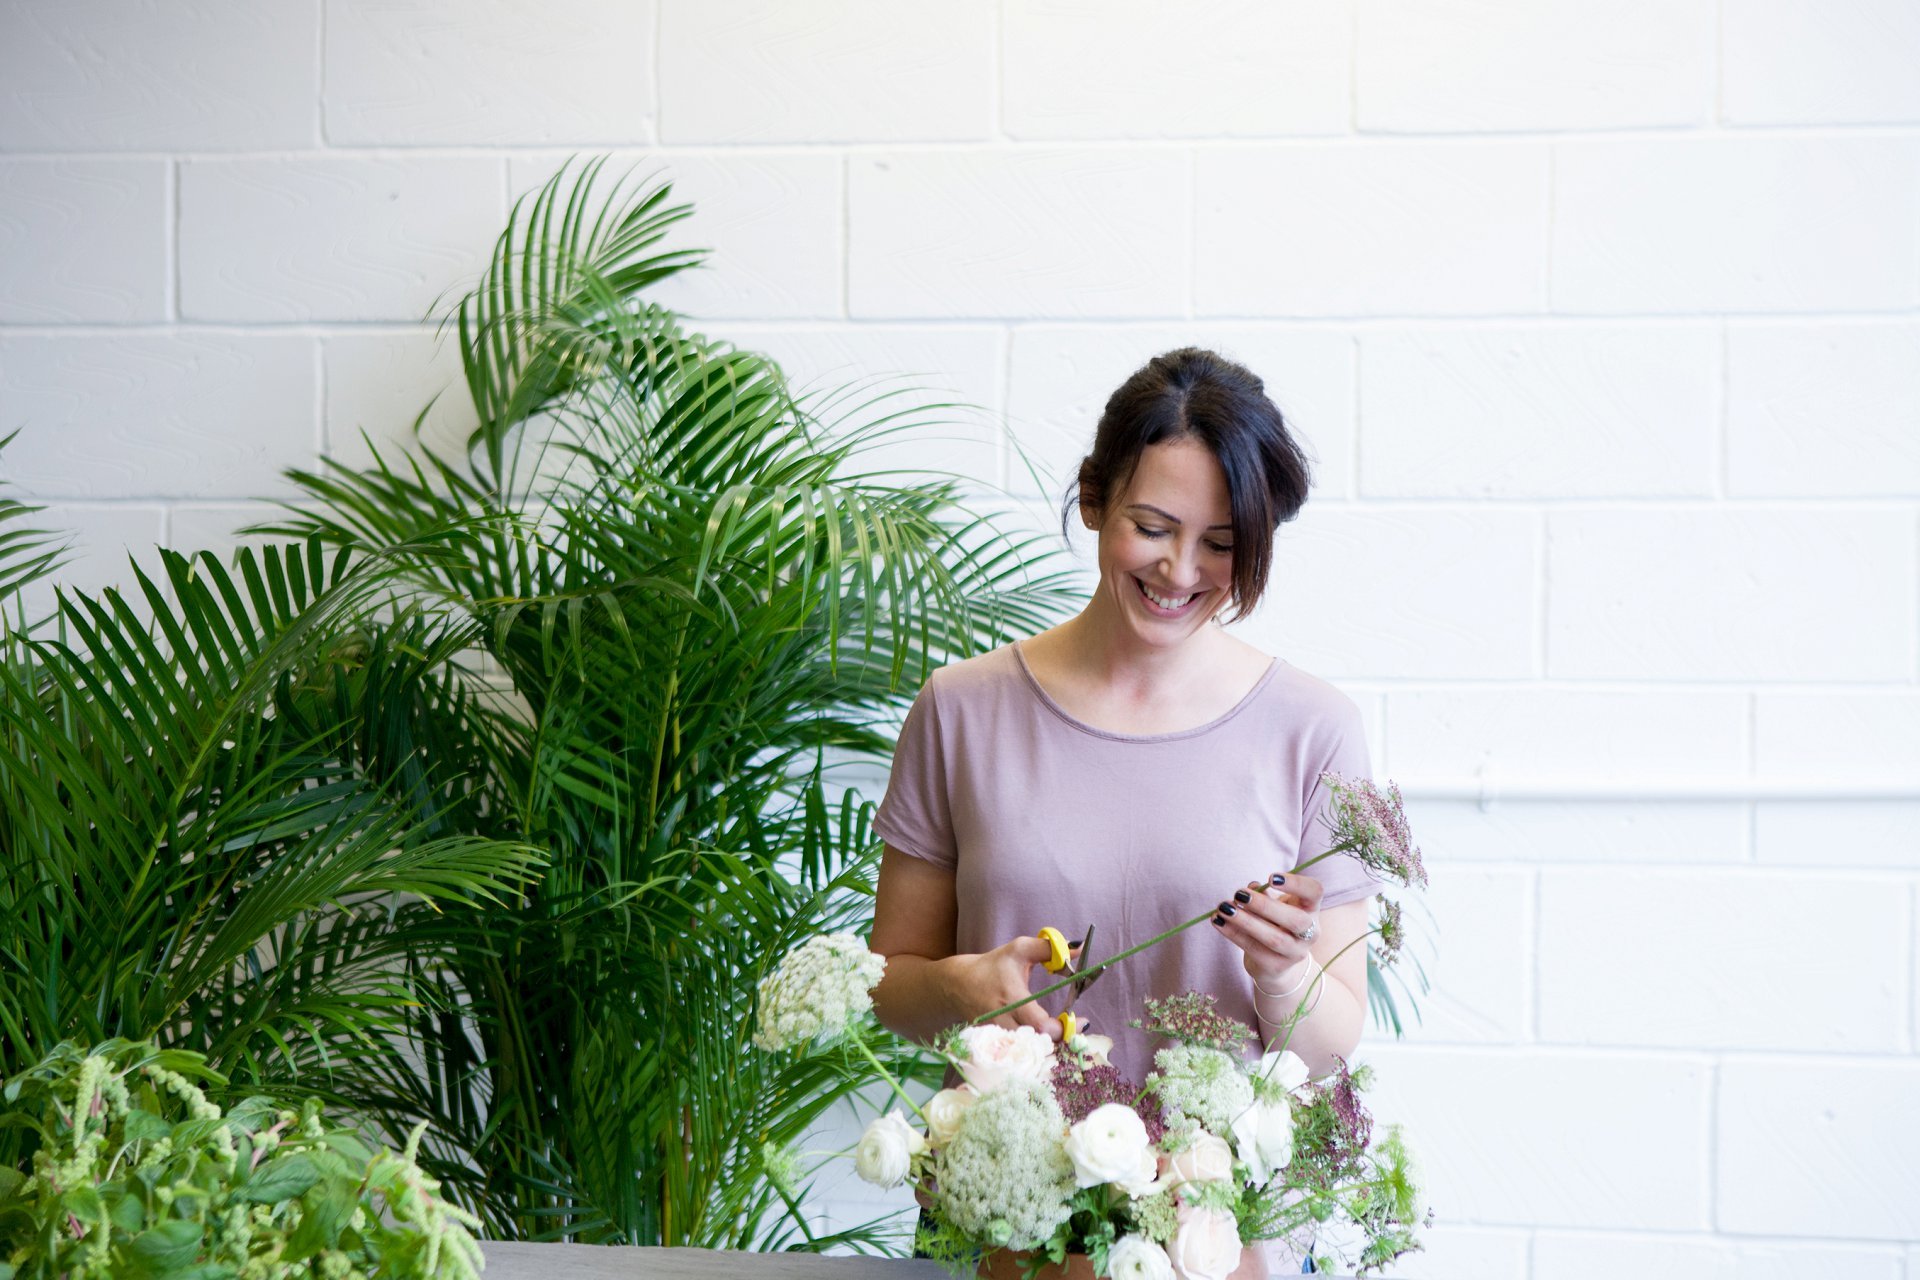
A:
{"x":1061,"y":956}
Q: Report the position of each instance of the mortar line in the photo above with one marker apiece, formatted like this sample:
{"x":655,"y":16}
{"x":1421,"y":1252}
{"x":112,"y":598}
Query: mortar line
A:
{"x":172,"y":229}
{"x":1359,"y":417}
{"x":1722,"y":413}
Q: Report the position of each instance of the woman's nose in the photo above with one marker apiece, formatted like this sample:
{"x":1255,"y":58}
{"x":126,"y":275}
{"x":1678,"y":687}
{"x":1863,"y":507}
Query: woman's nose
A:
{"x":1181,"y":569}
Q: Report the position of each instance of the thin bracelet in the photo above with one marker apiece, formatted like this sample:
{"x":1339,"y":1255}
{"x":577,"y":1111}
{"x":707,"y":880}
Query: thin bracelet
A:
{"x":1282,"y":995}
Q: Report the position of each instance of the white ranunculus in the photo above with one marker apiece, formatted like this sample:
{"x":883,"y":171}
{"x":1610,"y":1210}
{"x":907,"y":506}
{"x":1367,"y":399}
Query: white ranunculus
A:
{"x":1110,"y":1145}
{"x":1208,"y":1159}
{"x":1138,"y":1258}
{"x":1263,"y":1135}
{"x":944,"y":1112}
{"x":1206,"y":1244}
{"x":886,"y":1151}
{"x":1286,"y":1069}
{"x":997,"y":1057}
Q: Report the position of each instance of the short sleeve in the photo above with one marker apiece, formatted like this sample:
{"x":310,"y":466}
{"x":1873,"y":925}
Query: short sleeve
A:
{"x":914,"y":816}
{"x":1345,"y":753}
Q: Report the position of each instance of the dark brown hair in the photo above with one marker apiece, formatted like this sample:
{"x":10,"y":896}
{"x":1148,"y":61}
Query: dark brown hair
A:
{"x":1198,"y":393}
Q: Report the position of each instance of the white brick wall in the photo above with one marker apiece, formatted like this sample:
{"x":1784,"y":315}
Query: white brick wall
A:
{"x":1601,"y":322}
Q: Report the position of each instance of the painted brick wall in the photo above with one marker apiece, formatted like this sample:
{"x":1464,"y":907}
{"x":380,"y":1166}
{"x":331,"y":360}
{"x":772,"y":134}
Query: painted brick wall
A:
{"x":1603,"y":320}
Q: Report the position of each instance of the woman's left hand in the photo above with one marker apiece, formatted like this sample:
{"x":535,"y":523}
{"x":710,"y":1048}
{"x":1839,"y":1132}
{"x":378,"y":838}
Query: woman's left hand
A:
{"x":1275,"y":924}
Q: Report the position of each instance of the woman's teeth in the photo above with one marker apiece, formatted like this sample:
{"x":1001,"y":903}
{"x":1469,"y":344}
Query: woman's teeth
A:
{"x":1165,"y":602}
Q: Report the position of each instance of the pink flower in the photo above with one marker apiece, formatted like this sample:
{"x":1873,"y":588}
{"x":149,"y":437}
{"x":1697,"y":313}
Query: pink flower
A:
{"x":997,"y":1057}
{"x":1206,"y":1244}
{"x":1372,"y":825}
{"x":1209,"y":1159}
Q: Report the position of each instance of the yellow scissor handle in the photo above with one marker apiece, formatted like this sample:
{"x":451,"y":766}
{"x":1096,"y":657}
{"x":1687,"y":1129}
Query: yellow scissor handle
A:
{"x":1057,"y":954}
{"x":1069,"y":1027}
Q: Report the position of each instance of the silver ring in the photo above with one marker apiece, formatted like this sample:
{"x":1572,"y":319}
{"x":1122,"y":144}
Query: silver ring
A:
{"x":1313,"y":931}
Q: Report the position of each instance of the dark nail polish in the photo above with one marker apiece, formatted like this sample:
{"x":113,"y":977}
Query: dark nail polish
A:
{"x":1242,"y":897}
{"x":1218,"y":920}
{"x":1225,"y":908}
{"x":1278,"y":878}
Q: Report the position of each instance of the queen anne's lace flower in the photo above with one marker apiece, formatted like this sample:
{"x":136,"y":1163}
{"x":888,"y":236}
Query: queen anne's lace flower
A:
{"x":1373,"y":827}
{"x":821,"y":986}
{"x":1393,"y":932}
{"x":1205,"y":1084}
{"x":1006,"y":1177}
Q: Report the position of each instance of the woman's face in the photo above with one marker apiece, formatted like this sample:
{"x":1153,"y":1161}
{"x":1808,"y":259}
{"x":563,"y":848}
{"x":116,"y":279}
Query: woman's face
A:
{"x":1170,"y":536}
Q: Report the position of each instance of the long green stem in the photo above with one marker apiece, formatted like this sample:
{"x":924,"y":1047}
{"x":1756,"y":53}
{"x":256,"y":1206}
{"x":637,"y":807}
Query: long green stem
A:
{"x":861,"y":1045}
{"x":1087,"y":974}
{"x":1299,"y":1011}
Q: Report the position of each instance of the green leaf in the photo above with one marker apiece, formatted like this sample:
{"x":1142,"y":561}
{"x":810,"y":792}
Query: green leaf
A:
{"x":126,"y":1211}
{"x":168,"y":1246}
{"x":83,"y":1202}
{"x":144,"y":1126}
{"x":282,"y":1178}
{"x":326,"y":1209}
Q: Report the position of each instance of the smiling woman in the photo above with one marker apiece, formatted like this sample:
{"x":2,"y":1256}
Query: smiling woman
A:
{"x":1133,"y":764}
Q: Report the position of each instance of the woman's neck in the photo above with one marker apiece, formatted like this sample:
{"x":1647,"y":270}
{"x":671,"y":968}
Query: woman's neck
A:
{"x":1104,"y":653}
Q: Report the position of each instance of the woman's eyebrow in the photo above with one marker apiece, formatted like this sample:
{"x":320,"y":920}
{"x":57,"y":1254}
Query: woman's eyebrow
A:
{"x":1167,"y":515}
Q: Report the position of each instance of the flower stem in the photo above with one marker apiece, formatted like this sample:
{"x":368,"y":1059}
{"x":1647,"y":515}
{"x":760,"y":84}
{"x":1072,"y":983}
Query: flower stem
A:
{"x":861,"y":1045}
{"x":1088,"y":974}
{"x":1299,"y":1011}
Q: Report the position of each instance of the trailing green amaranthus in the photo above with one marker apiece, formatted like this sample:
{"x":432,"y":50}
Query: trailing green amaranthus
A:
{"x":139,"y":1175}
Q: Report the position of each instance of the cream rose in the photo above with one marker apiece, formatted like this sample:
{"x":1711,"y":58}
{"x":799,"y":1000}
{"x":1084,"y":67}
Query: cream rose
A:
{"x":997,"y":1057}
{"x":1208,"y":1159}
{"x":886,"y":1151}
{"x":1206,"y":1244}
{"x":944,"y":1112}
{"x":1138,"y":1258}
{"x":1111,"y":1145}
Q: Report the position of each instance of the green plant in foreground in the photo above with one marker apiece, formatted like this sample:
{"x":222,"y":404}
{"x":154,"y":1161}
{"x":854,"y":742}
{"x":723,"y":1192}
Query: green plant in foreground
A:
{"x":705,"y":603}
{"x":137,"y":1175}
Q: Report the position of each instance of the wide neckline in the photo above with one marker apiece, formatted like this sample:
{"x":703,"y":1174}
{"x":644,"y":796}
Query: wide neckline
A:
{"x":1112,"y":735}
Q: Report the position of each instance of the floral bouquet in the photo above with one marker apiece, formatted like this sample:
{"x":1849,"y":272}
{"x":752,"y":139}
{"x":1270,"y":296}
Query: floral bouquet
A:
{"x":1044,"y":1151}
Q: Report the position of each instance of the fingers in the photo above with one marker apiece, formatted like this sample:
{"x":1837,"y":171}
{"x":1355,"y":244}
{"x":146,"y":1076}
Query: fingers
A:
{"x":1030,"y":948}
{"x":1264,"y":922}
{"x":1275,"y":907}
{"x":1303,"y":889}
{"x":1032,"y":1015}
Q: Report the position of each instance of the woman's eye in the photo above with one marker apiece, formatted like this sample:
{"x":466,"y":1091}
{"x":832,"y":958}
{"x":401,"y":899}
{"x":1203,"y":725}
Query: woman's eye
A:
{"x":1150,"y":533}
{"x":1225,"y":551}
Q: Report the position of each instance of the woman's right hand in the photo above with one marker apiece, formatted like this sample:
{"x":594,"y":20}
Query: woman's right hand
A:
{"x":996,"y":978}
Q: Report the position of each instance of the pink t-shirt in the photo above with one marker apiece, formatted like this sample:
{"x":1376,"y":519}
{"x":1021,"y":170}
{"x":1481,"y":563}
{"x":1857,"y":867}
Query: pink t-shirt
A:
{"x":1045,"y":820}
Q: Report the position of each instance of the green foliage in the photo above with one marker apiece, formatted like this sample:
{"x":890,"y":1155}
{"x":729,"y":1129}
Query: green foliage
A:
{"x":702,"y":611}
{"x":484,"y":794}
{"x":137,"y":1175}
{"x":189,"y":858}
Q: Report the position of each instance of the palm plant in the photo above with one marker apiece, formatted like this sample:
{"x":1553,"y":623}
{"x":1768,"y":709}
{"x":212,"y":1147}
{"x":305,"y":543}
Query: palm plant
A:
{"x":701,"y":610}
{"x":182,"y":863}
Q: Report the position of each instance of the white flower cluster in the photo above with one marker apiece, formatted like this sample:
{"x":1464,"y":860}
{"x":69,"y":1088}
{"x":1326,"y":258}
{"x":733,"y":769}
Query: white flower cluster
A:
{"x":820,"y":987}
{"x":1006,"y":1177}
{"x":1205,"y":1084}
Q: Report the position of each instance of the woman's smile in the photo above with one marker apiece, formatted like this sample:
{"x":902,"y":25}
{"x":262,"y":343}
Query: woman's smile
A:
{"x":1169,"y":605}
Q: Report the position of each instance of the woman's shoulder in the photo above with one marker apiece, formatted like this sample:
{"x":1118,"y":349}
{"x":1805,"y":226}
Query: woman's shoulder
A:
{"x":1310,"y":701}
{"x":967,"y":679}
